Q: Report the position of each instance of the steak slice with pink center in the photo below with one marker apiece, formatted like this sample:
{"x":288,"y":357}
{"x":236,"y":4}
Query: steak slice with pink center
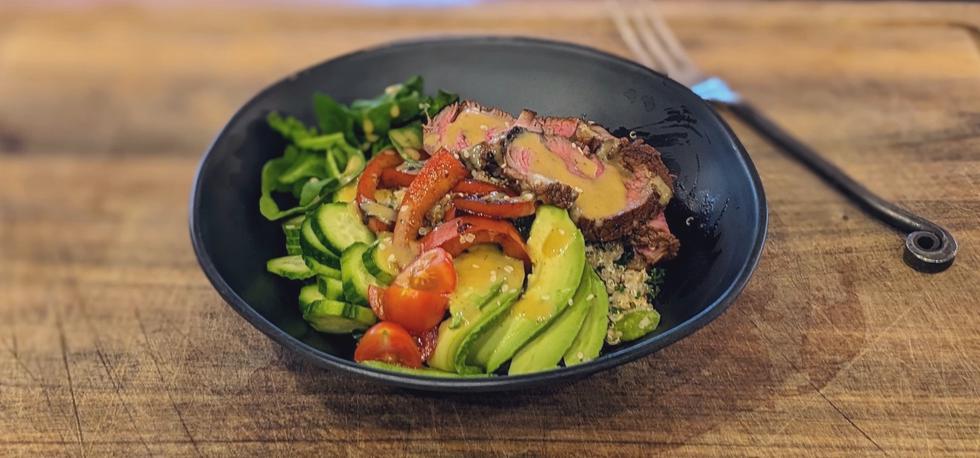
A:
{"x":462,"y":125}
{"x":612,"y":196}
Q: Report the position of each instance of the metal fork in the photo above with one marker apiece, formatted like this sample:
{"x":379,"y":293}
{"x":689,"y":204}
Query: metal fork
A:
{"x":928,"y":246}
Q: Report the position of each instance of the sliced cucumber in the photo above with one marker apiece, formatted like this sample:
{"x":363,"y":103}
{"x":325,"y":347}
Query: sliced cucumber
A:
{"x":322,"y":270}
{"x":293,"y":248}
{"x":292,"y":228}
{"x":291,"y":267}
{"x":354,"y":275}
{"x":339,"y":226}
{"x":314,"y":248}
{"x":309,"y":294}
{"x":330,"y":288}
{"x":379,"y":259}
{"x":347,"y":193}
{"x":335,"y":317}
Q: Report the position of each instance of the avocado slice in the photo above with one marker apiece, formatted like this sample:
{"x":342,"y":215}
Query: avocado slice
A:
{"x":557,"y":251}
{"x":588,"y":342}
{"x":487,"y":283}
{"x":546,"y":350}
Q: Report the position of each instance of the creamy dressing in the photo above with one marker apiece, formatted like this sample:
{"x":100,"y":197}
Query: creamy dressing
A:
{"x":600,"y":194}
{"x":474,"y":127}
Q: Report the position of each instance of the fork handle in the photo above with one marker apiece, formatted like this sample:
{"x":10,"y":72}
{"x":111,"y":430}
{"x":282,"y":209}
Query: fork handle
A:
{"x":928,"y":246}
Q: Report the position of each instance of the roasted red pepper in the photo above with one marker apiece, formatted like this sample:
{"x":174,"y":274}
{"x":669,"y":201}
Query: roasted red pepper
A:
{"x":394,"y":178}
{"x":505,"y":208}
{"x":460,"y":233}
{"x":480,"y":188}
{"x":436,"y":178}
{"x":368,"y":183}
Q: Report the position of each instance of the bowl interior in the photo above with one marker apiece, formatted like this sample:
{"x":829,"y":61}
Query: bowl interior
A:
{"x":719,"y":213}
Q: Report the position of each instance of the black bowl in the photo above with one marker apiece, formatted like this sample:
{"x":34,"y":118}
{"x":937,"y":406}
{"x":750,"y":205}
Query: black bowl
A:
{"x":719,"y":213}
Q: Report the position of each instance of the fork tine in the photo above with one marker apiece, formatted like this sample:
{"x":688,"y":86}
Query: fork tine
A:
{"x":628,"y":34}
{"x":668,"y":38}
{"x":652,"y":43}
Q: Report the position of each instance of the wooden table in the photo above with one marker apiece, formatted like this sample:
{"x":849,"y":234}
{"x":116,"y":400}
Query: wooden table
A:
{"x":113,"y":342}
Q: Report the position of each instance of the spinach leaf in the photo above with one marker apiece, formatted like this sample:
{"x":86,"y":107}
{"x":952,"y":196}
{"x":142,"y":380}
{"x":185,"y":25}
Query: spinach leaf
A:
{"x":289,"y":127}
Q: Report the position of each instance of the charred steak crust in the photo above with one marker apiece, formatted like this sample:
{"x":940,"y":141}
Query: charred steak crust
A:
{"x":558,"y":194}
{"x":644,"y":163}
{"x":619,"y":225}
{"x":638,"y":154}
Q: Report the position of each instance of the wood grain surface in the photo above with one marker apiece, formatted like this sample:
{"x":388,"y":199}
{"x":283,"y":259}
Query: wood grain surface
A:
{"x":112,"y":342}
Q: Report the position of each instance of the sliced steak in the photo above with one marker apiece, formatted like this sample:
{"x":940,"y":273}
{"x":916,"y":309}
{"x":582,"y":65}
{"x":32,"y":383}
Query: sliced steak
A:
{"x":608,"y":198}
{"x":614,"y":189}
{"x":653,"y":241}
{"x":463,"y":125}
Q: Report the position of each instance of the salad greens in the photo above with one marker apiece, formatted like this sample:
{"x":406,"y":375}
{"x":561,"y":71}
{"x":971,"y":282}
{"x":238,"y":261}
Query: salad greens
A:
{"x":322,"y":158}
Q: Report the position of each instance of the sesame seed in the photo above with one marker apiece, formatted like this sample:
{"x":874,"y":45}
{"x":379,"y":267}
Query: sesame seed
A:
{"x":570,"y":302}
{"x":580,"y":355}
{"x":508,"y":269}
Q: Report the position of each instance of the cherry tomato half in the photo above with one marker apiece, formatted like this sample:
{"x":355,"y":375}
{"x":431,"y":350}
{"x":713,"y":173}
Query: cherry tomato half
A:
{"x":432,"y":271}
{"x":391,"y":343}
{"x":416,"y":310}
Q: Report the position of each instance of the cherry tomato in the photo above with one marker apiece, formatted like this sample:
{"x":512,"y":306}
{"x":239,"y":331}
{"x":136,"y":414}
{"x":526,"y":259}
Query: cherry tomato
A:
{"x":391,"y":343}
{"x":375,"y":295}
{"x":416,"y":310}
{"x":432,"y":271}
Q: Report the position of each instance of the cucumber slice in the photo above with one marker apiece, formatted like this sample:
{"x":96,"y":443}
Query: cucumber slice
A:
{"x":322,"y":270}
{"x":347,"y":193}
{"x":293,"y":248}
{"x":330,"y":288}
{"x":314,"y":248}
{"x":291,"y":267}
{"x":308,"y":295}
{"x":379,"y":260}
{"x":292,"y":228}
{"x":335,"y":317}
{"x":355,"y":277}
{"x":339,"y":226}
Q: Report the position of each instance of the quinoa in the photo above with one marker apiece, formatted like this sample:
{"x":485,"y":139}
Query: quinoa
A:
{"x":628,"y":288}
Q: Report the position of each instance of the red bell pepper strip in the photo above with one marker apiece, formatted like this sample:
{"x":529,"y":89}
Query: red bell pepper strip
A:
{"x":480,"y":188}
{"x":368,"y":183}
{"x":394,"y":178}
{"x":427,"y":343}
{"x":494,"y":209}
{"x":460,"y":233}
{"x":436,"y":178}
